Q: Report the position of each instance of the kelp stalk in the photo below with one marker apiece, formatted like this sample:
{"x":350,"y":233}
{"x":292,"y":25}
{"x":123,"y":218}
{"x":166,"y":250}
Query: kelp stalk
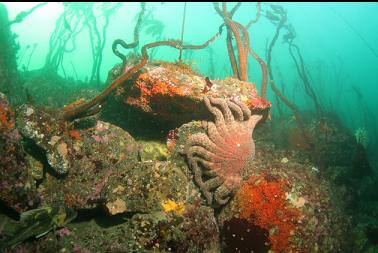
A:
{"x":283,"y":18}
{"x":135,"y":42}
{"x":303,"y":75}
{"x":22,"y":15}
{"x":241,"y":71}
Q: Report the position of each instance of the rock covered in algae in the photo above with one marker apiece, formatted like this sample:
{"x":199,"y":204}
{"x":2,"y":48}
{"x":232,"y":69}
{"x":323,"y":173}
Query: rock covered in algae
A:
{"x":287,"y":205}
{"x":174,"y":92}
{"x":80,"y":159}
{"x":48,"y":133}
{"x":96,"y":154}
{"x":195,"y":230}
{"x":333,"y":145}
{"x":149,"y":186}
{"x":153,"y":151}
{"x":18,"y":170}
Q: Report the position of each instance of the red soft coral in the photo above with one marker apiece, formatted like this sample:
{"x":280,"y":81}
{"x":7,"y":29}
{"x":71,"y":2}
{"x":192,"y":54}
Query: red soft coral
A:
{"x":263,"y":202}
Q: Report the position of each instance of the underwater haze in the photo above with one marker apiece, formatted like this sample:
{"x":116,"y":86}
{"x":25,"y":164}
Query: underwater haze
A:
{"x":127,"y":127}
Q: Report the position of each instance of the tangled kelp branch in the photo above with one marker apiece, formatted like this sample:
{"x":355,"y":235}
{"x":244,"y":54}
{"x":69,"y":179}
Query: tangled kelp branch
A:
{"x":235,"y":26}
{"x":254,"y":54}
{"x":107,"y":13}
{"x":300,"y":66}
{"x":98,"y":38}
{"x":282,"y":20}
{"x":279,"y":17}
{"x":242,"y":46}
{"x":303,"y":75}
{"x":22,"y":15}
{"x":289,"y":104}
{"x":231,"y":54}
{"x":95,"y":104}
{"x":241,"y":71}
{"x":234,"y":9}
{"x":75,"y":18}
{"x":231,"y":13}
{"x":258,"y":15}
{"x":95,"y":40}
{"x":262,"y":63}
{"x":242,"y":38}
{"x":264,"y":69}
{"x":230,"y":48}
{"x":67,"y":27}
{"x":135,"y":42}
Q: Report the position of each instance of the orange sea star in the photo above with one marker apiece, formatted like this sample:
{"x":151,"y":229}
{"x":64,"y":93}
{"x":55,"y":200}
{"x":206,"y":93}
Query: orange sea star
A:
{"x":219,"y":157}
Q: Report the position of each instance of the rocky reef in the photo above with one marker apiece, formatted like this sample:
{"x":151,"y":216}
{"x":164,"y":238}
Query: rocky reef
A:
{"x":162,"y":158}
{"x":168,"y":95}
{"x":19,"y":170}
{"x":206,"y":185}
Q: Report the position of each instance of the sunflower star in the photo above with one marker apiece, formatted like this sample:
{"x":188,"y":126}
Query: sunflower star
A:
{"x":219,"y":157}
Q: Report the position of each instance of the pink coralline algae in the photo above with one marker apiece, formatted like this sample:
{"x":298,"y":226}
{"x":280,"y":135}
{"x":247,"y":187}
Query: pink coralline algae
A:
{"x":63,"y":232}
{"x":219,"y":157}
{"x":79,"y":249}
